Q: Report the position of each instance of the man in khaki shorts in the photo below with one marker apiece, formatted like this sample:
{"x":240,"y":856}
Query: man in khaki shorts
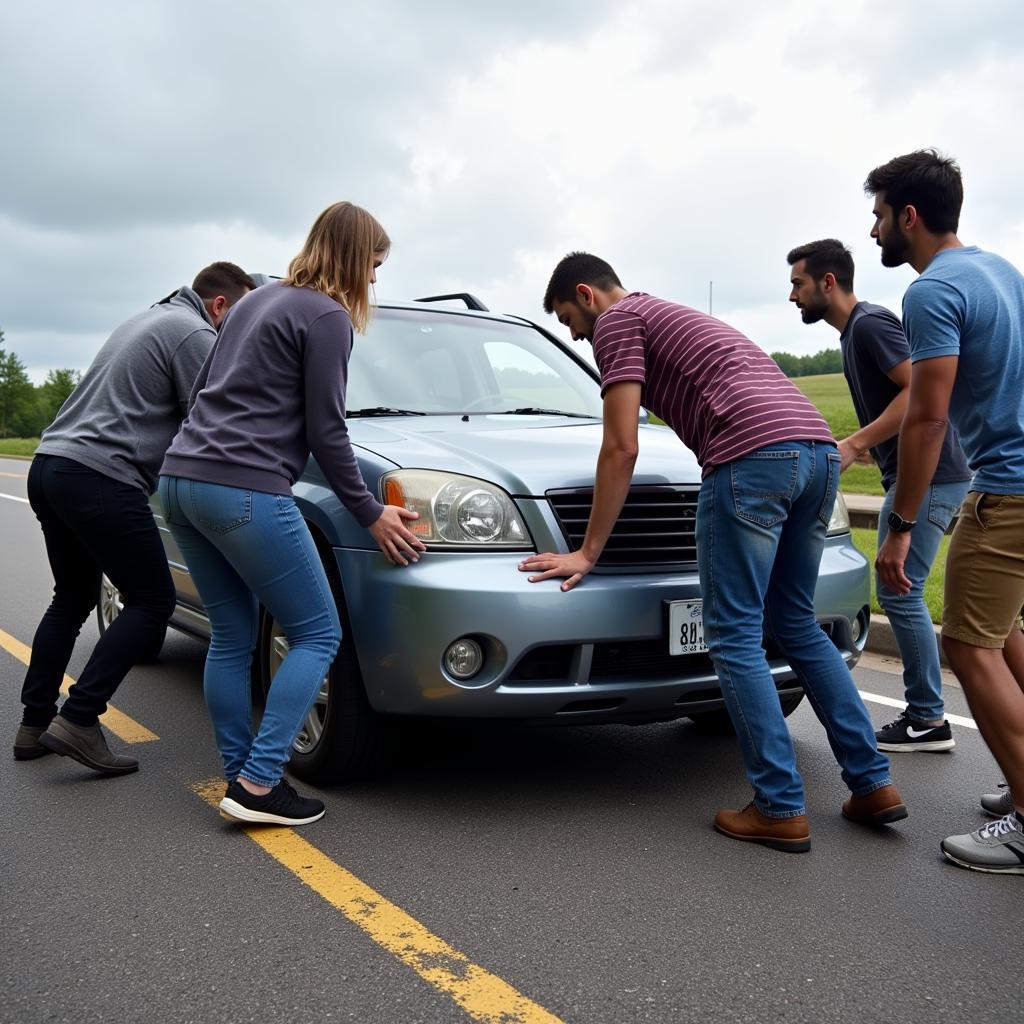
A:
{"x":964,"y":319}
{"x":989,"y":579}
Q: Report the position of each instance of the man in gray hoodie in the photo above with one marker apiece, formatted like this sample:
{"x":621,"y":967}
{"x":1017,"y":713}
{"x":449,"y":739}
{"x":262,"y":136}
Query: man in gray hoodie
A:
{"x":89,"y":485}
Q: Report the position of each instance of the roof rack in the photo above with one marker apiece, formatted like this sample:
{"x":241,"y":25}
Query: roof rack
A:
{"x":471,"y":301}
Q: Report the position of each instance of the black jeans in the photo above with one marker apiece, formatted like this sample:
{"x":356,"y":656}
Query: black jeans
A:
{"x":93,"y":524}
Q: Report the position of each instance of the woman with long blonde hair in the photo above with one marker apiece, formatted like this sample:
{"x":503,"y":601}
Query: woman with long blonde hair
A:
{"x":271,"y":392}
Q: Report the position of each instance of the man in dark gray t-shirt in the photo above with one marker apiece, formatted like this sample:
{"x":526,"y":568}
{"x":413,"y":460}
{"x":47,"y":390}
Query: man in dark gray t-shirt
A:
{"x":89,"y":486}
{"x":876,"y":363}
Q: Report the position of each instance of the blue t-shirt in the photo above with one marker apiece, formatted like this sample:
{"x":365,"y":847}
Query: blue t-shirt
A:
{"x":970,"y":304}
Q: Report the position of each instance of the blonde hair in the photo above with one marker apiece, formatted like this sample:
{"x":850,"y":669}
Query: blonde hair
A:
{"x":338,"y":258}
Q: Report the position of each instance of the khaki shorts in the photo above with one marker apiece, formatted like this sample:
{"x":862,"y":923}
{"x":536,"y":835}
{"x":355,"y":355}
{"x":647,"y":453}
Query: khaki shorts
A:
{"x":985,"y":570}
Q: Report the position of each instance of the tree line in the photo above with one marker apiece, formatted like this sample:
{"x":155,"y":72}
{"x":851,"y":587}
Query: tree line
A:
{"x":828,"y":360}
{"x":26,"y":409}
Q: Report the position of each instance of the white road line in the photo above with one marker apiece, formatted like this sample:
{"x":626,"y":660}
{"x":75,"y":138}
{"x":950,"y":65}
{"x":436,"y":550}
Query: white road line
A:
{"x":967,"y":723}
{"x":11,"y":497}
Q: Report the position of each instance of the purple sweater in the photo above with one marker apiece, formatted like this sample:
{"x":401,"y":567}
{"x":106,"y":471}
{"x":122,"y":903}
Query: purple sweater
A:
{"x":272,"y":391}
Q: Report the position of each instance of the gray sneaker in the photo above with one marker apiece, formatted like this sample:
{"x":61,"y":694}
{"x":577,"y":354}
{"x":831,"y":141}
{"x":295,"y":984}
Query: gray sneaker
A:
{"x":26,"y":743}
{"x":998,"y":805}
{"x":87,"y":745}
{"x":997,"y":847}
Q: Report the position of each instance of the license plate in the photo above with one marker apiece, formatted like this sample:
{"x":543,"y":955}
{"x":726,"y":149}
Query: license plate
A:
{"x":686,"y":628}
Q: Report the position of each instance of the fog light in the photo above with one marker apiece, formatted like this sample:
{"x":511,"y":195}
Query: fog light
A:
{"x":855,"y":629}
{"x":464,"y":658}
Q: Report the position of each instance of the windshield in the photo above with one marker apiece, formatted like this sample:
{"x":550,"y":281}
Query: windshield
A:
{"x":432,"y":362}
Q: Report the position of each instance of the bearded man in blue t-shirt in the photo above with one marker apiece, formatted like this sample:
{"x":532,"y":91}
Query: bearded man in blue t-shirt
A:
{"x":964,"y":320}
{"x":876,"y":364}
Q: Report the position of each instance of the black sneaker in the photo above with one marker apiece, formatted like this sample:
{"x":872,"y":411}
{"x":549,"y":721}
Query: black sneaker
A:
{"x":281,"y":806}
{"x":907,"y":734}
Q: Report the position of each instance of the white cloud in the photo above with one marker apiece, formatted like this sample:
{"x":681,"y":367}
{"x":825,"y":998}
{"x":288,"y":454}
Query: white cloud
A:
{"x":682,"y":145}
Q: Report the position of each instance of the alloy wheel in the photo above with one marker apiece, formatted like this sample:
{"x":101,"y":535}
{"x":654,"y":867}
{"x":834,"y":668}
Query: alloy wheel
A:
{"x":312,"y":728}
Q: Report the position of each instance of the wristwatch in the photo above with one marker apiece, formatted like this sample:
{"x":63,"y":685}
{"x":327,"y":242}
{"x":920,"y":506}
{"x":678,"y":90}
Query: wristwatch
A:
{"x":900,"y":525}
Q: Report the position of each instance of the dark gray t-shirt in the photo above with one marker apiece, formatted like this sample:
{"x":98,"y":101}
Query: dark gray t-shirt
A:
{"x":271,"y":392}
{"x":872,"y":343}
{"x":124,"y":412}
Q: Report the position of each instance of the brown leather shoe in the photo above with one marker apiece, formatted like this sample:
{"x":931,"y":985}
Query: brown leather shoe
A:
{"x":791,"y":835}
{"x":879,"y":807}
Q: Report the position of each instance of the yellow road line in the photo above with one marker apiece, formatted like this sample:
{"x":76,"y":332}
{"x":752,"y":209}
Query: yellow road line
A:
{"x":17,"y":476}
{"x":482,"y":995}
{"x":117,"y":722}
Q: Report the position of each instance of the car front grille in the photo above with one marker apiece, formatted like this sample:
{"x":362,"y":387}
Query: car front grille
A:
{"x":656,"y":527}
{"x":637,"y":660}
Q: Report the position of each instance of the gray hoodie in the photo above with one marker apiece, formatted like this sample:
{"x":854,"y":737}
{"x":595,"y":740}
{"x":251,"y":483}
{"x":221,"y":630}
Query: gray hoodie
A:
{"x":126,"y":410}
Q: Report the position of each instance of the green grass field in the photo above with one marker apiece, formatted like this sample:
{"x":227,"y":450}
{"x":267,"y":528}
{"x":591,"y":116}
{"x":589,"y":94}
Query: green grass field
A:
{"x":830,"y":393}
{"x":18,"y":445}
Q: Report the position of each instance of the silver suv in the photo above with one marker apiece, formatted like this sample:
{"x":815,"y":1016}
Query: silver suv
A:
{"x":489,"y":427}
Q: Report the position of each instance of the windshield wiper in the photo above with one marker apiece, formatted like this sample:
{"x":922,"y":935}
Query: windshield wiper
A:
{"x":384,"y":410}
{"x":535,"y":410}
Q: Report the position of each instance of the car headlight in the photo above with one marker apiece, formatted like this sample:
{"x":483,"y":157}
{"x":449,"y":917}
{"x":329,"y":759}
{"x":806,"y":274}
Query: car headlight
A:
{"x":840,"y":521}
{"x":456,"y":510}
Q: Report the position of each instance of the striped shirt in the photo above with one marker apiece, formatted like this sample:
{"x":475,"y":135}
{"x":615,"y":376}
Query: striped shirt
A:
{"x":713,"y":386}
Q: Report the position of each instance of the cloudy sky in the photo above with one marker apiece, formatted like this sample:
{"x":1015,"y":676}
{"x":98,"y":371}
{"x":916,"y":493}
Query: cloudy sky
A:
{"x":686,"y":142}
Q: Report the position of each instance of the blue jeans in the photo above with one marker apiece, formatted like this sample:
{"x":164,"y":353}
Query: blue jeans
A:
{"x":761,"y":523}
{"x":244,"y":548}
{"x":908,"y":614}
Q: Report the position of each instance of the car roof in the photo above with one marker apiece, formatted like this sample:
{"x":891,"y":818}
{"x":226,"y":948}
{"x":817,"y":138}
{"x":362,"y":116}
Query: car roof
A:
{"x":430,"y":307}
{"x":428,"y":304}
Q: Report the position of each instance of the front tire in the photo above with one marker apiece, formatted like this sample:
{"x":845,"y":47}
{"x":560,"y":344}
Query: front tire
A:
{"x":342,"y":737}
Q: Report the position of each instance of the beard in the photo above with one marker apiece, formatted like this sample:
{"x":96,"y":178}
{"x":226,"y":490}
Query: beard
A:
{"x":815,"y":310}
{"x":589,"y":320}
{"x":894,"y":248}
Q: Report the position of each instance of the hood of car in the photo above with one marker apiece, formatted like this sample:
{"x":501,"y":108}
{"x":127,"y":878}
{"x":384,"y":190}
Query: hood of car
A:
{"x":526,"y":455}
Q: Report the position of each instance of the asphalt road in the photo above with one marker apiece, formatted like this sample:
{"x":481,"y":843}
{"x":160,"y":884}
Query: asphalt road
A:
{"x":515,"y":875}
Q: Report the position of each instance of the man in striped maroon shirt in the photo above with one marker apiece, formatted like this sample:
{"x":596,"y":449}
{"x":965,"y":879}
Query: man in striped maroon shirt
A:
{"x":770,"y":472}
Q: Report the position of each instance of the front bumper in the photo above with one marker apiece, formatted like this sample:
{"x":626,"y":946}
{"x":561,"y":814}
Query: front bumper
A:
{"x":599,"y":652}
